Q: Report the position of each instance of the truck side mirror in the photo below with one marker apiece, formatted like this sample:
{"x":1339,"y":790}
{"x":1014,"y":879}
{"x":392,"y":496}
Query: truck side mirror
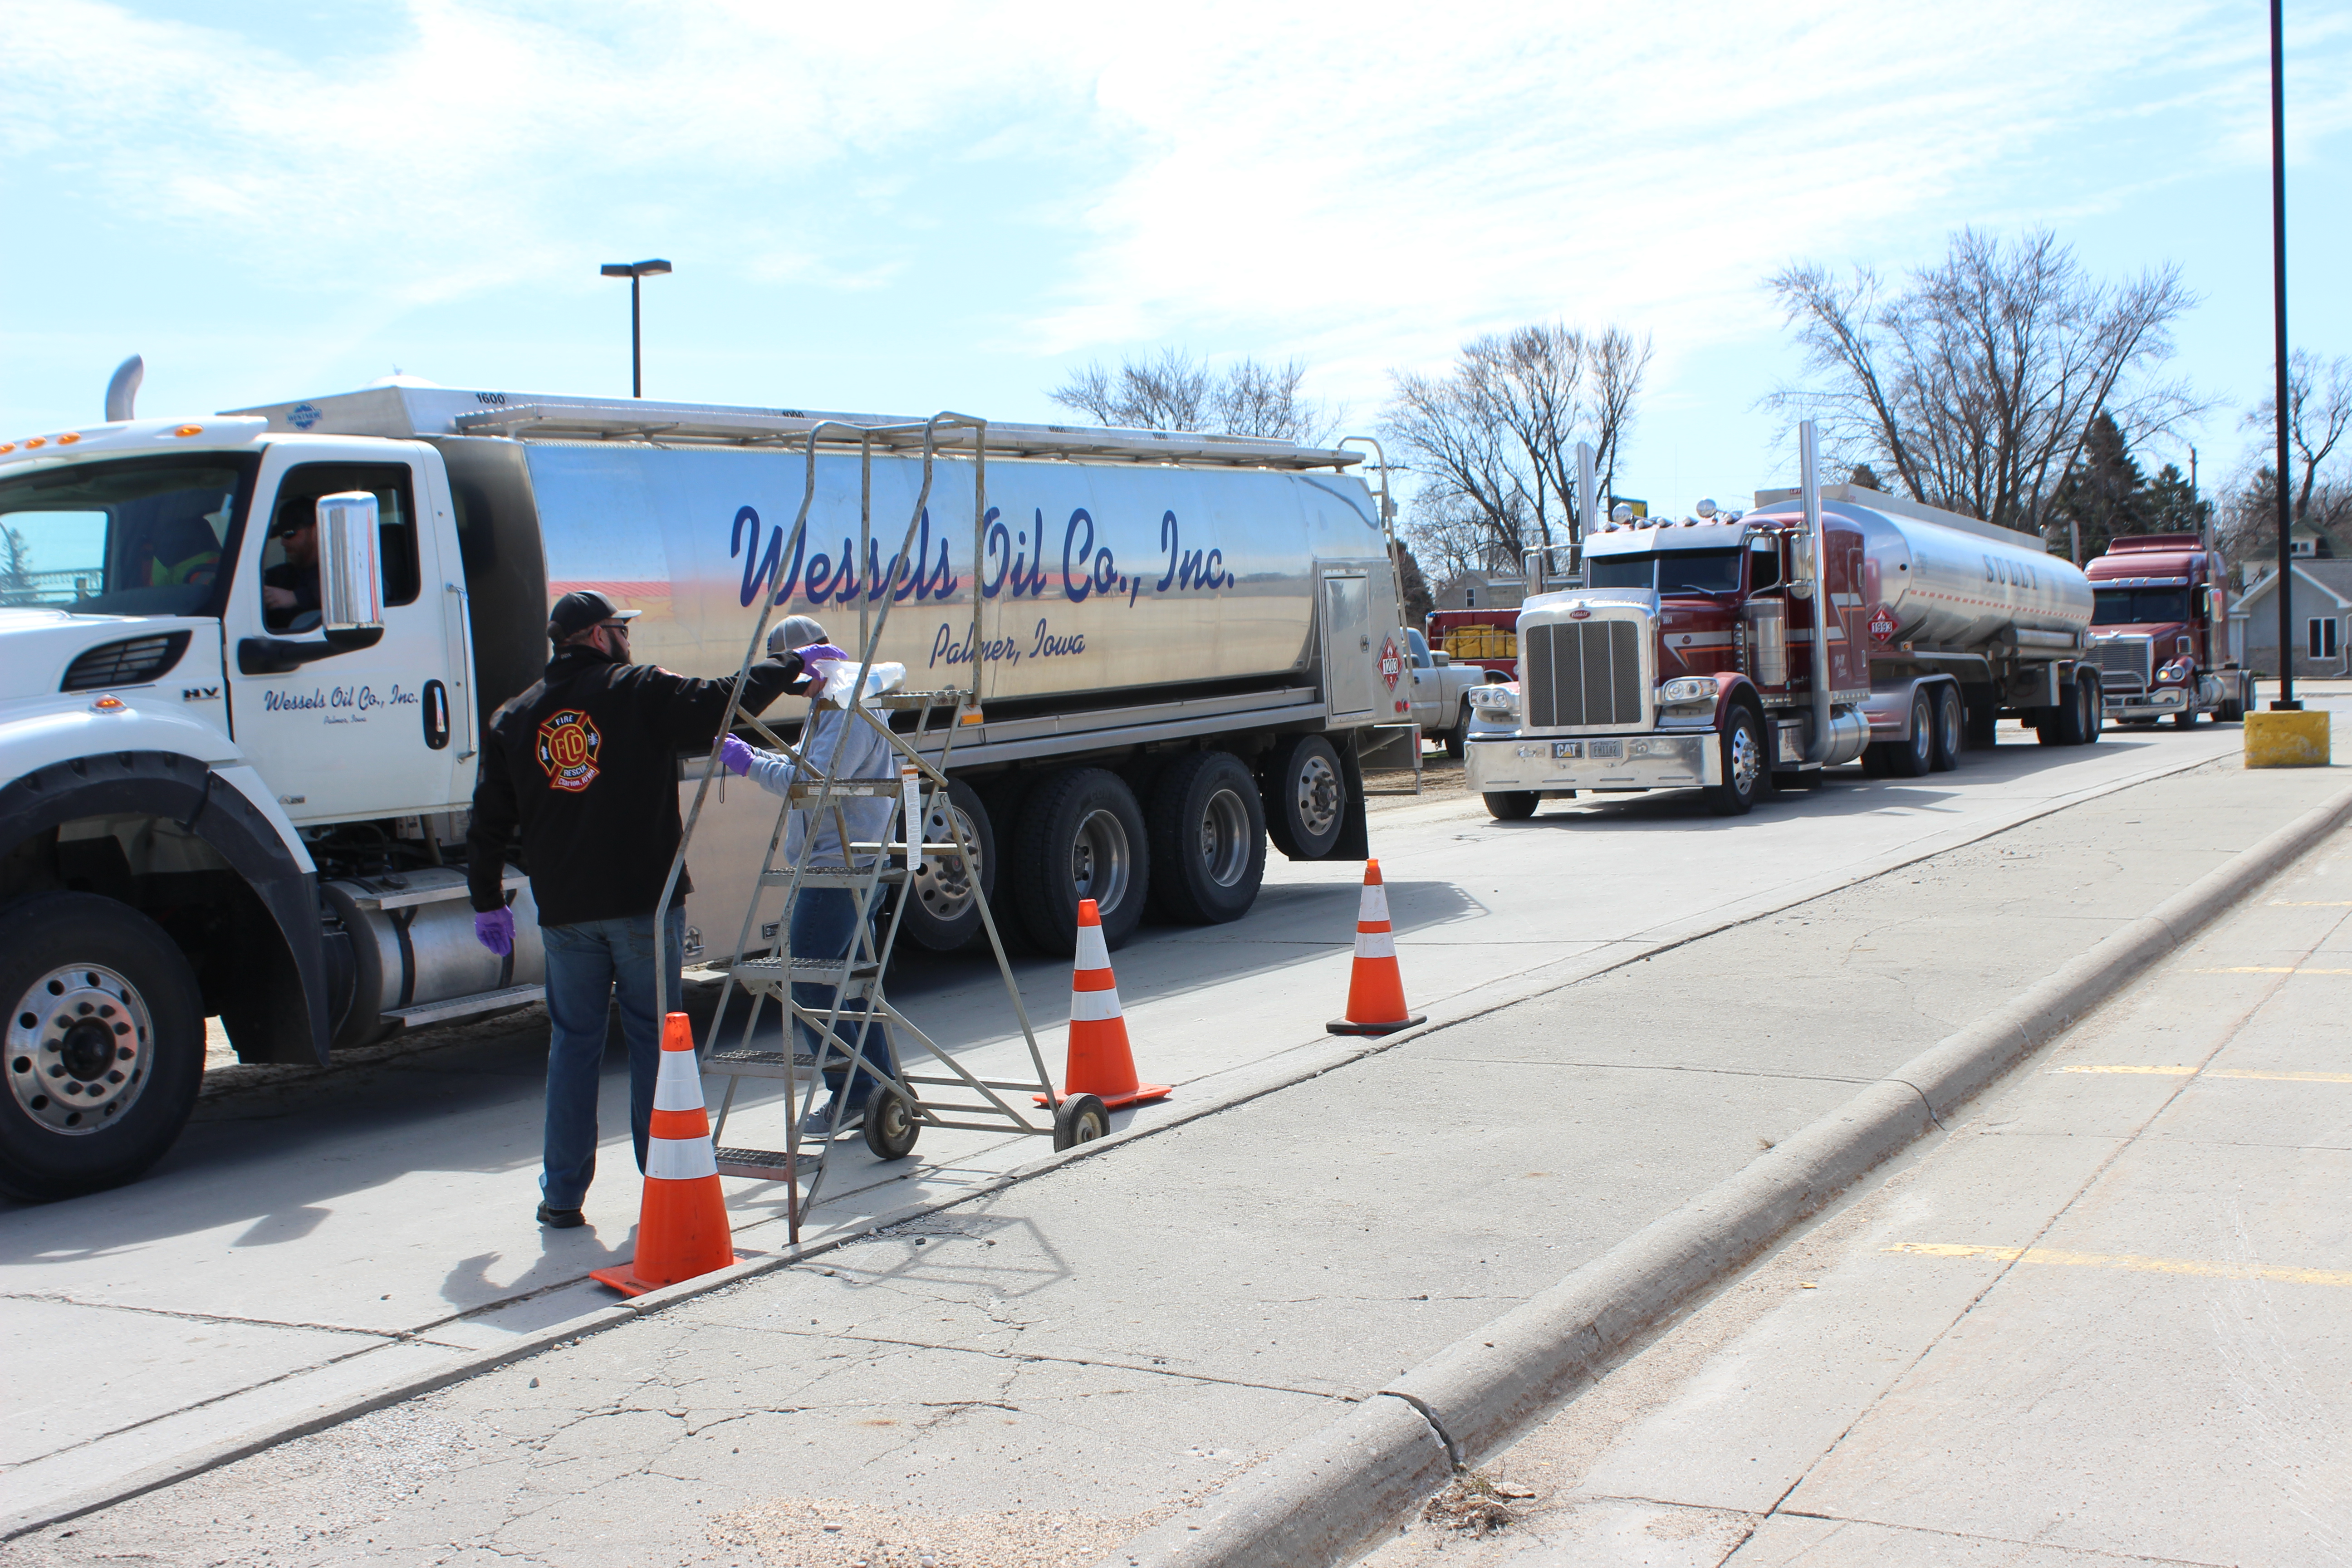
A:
{"x":1440,"y":657}
{"x":350,"y":580}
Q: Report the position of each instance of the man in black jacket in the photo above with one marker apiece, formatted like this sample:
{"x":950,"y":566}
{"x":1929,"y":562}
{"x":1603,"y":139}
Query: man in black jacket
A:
{"x":585,"y":764}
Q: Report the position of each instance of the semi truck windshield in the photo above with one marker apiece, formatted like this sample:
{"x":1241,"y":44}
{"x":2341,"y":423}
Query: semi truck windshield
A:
{"x":1667,"y":572}
{"x":2139,"y":606}
{"x":146,"y":536}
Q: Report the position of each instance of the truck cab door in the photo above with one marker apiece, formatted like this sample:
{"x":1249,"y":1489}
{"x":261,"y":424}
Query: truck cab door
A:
{"x":364,"y":732}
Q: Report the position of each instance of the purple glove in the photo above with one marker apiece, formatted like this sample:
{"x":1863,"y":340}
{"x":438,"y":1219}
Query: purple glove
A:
{"x":817,"y":650}
{"x":735,"y":756}
{"x":494,"y":928}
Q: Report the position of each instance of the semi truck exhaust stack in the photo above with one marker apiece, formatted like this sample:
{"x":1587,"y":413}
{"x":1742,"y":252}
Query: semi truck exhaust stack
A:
{"x":122,"y":391}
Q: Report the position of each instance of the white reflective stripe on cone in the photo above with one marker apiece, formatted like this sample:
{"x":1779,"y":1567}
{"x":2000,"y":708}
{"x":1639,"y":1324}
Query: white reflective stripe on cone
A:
{"x":1092,"y":954}
{"x":1375,"y":906}
{"x":679,"y":1088}
{"x":1375,"y":944}
{"x":1093,"y":1006}
{"x":679,"y":1159}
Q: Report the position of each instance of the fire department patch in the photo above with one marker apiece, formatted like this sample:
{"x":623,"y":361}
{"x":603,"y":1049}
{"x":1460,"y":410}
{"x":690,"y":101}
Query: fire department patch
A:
{"x":567,"y":744}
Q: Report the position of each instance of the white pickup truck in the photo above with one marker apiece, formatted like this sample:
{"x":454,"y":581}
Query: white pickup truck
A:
{"x":1440,"y":694}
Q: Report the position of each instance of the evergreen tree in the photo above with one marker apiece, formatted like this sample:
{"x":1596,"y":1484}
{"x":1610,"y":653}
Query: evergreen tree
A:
{"x":2168,"y":506}
{"x":2105,"y":495}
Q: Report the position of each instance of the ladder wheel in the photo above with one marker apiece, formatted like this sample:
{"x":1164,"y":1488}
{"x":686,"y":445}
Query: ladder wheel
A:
{"x":1080,"y":1118}
{"x":891,"y":1127}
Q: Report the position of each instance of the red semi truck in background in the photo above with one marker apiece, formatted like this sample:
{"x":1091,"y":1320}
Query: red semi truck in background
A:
{"x":1688,"y":657}
{"x":2160,"y":632}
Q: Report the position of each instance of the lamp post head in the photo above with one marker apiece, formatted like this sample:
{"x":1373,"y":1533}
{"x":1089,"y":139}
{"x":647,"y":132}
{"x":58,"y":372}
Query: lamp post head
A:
{"x":634,"y":269}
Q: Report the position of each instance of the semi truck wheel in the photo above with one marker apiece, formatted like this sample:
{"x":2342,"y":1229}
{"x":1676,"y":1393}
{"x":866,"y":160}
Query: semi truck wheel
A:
{"x":1457,"y":739}
{"x":1306,"y":797}
{"x":2185,"y":718}
{"x":1744,"y":765}
{"x":1208,"y":840}
{"x":2076,"y":720}
{"x":1983,"y":717}
{"x":1081,"y":836}
{"x":105,"y":1045}
{"x":943,"y":913}
{"x":1950,"y":741}
{"x":2233,"y":708}
{"x":1511,"y":804}
{"x":1911,"y":758}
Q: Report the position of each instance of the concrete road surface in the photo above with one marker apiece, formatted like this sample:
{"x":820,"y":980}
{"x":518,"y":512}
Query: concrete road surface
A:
{"x":1054,"y":1363}
{"x":2107,"y":1319}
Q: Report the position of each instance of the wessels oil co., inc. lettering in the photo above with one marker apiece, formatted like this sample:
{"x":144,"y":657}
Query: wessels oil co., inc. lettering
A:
{"x":342,"y":703}
{"x":1013,"y":564}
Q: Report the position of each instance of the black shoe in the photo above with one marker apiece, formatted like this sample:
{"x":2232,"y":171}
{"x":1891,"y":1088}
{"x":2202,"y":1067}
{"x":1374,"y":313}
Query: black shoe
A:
{"x":561,"y":1219}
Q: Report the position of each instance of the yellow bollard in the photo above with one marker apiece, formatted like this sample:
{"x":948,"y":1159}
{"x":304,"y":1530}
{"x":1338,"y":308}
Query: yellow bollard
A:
{"x":2286,"y":739}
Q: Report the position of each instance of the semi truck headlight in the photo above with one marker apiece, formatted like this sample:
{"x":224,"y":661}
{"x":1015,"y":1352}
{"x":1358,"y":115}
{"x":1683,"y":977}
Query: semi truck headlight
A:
{"x":1686,"y":688}
{"x":1496,"y":701}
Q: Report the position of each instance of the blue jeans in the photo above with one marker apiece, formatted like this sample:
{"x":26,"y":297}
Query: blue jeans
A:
{"x":825,"y":927}
{"x":588,"y":965}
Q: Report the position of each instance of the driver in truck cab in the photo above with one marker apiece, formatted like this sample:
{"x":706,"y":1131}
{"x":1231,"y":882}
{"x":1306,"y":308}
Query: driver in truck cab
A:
{"x":583,"y":764}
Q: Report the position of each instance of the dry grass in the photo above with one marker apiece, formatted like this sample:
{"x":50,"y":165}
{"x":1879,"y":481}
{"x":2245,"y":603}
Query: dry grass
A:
{"x":1472,"y":1502}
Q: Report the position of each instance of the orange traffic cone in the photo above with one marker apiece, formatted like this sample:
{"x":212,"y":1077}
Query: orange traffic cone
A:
{"x":682,"y":1220}
{"x":1100,"y":1063}
{"x":1375,"y":988}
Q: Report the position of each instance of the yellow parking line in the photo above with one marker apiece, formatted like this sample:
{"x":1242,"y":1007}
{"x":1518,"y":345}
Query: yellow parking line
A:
{"x":2269,"y":969}
{"x":2217,"y":1072}
{"x":2198,"y":1266}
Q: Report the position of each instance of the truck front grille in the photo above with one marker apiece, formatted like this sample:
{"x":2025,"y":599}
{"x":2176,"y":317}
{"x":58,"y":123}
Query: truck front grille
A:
{"x":1581,"y":674}
{"x":2125,"y":661}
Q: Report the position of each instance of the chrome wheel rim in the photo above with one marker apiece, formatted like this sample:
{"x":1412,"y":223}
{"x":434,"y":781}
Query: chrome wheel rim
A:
{"x":1951,"y":728}
{"x":1746,"y":759}
{"x":1318,"y":796}
{"x":944,"y":884}
{"x":1100,"y":859}
{"x":1923,"y":733}
{"x":81,"y":1045}
{"x":1224,"y":838}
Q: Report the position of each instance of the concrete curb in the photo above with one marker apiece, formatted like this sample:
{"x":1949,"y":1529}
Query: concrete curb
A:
{"x":1324,"y":1500}
{"x":1328,"y":1057}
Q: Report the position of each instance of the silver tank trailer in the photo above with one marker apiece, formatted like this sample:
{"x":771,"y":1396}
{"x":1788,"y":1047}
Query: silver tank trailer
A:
{"x":1094,"y":577}
{"x":1965,"y":587}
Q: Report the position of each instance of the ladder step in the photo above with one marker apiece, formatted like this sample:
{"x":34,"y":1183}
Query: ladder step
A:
{"x":757,"y":1064}
{"x":773,"y":969}
{"x":935,"y":851}
{"x":762,"y":1164}
{"x":845,"y":789}
{"x":889,"y":876}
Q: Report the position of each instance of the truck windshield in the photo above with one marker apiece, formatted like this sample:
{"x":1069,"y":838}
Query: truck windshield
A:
{"x":2140,"y":606}
{"x":145,"y":536}
{"x":1667,"y":572}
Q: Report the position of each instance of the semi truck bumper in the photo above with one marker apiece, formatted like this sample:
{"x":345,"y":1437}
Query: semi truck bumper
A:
{"x":1593,"y":762}
{"x":2145,"y":704}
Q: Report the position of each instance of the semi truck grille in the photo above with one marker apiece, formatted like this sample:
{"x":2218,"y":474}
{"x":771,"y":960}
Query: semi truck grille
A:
{"x":1586,"y":673}
{"x":2124,"y":661}
{"x":133,"y":661}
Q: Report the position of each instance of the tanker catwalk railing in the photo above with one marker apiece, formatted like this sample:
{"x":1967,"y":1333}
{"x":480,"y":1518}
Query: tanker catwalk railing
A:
{"x":863,"y":970}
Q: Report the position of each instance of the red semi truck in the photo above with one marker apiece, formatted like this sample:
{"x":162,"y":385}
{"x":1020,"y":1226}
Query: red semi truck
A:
{"x":2160,"y":632}
{"x":1688,"y":655}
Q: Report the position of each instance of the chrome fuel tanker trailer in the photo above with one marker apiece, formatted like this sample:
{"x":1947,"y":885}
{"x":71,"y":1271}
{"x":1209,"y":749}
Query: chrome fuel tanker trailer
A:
{"x":1689,"y":656}
{"x":211,"y":805}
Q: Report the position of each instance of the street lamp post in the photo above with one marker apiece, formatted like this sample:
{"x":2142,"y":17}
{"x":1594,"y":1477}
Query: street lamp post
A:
{"x":635,"y":272}
{"x":2286,"y":702}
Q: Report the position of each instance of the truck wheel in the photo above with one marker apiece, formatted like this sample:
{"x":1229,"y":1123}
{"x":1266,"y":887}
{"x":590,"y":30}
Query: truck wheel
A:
{"x":1511,"y":804}
{"x":2187,"y":718}
{"x":1744,"y":765}
{"x":1306,"y":797}
{"x":2233,"y":708}
{"x":1457,"y":739}
{"x":1208,"y":840}
{"x":105,"y":1045}
{"x":942,"y":914}
{"x":1950,"y":741}
{"x":1874,"y":760}
{"x":1081,"y":836}
{"x":1983,"y":718}
{"x":1912,"y":758}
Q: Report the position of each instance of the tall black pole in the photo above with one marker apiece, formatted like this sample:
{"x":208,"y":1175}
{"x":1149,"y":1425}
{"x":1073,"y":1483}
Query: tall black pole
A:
{"x":2286,"y":702}
{"x":636,"y":344}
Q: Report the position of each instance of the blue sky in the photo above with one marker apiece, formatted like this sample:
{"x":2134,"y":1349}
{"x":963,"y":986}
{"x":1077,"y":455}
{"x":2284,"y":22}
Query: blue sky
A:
{"x":955,"y":206}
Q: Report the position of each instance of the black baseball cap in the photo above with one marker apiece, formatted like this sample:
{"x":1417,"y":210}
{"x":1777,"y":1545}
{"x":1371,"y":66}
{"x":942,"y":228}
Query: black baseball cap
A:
{"x":581,"y":609}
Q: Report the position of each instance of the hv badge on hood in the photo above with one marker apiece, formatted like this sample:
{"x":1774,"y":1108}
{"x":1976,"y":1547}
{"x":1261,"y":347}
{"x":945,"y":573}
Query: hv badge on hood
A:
{"x":1391,"y":662}
{"x":567,"y":744}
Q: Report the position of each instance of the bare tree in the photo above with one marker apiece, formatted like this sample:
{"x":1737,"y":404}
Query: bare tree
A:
{"x":1177,"y":391}
{"x":2319,"y":408}
{"x":1977,"y":383}
{"x":1494,"y":439}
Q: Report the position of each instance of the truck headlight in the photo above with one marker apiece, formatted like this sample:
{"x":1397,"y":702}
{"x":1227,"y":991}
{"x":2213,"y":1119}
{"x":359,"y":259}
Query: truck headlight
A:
{"x":1495,"y":702}
{"x":1686,"y":688}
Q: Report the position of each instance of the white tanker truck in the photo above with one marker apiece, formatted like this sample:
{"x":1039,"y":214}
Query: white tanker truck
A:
{"x":211,"y":804}
{"x":1689,"y":656}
